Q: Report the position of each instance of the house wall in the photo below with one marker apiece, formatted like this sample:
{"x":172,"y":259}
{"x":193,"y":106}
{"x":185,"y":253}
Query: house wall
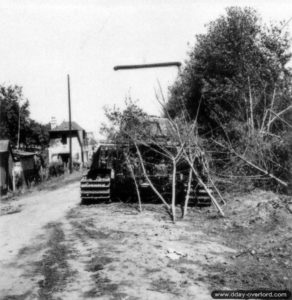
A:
{"x":6,"y":164}
{"x":57,"y":147}
{"x":3,"y":172}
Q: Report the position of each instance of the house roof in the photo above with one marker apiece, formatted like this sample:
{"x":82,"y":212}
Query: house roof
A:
{"x":4,"y":145}
{"x":65,"y":126}
{"x":22,"y":153}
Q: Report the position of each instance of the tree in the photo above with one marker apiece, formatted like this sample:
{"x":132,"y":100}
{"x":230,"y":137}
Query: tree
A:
{"x":14,"y":116}
{"x":11,"y":112}
{"x":237,"y":82}
{"x":237,"y":70}
{"x":36,"y":134}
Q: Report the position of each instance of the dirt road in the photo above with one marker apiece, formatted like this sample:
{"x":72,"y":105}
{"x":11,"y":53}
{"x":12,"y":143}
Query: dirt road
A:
{"x":24,"y":228}
{"x":17,"y":230}
{"x":51,"y":247}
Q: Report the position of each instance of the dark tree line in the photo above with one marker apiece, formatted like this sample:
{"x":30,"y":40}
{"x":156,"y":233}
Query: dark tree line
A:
{"x":237,"y":83}
{"x":15,"y":115}
{"x":235,"y":72}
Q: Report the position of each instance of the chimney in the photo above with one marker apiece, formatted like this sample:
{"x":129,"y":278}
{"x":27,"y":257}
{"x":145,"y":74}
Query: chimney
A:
{"x":53,"y":122}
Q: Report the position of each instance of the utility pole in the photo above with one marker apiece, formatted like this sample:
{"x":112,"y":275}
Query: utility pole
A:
{"x":70,"y":126}
{"x":18,"y":136}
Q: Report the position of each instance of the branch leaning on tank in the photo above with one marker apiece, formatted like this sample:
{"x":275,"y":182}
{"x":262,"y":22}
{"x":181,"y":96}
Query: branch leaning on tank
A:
{"x":147,"y":177}
{"x":252,"y":164}
{"x":129,"y":165}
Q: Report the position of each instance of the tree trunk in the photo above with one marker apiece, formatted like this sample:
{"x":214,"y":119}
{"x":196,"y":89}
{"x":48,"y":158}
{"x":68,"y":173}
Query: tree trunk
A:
{"x":251,"y":107}
{"x":135,"y":182}
{"x":271,"y":108}
{"x":188,"y":193}
{"x":289,"y":143}
{"x":173,"y":190}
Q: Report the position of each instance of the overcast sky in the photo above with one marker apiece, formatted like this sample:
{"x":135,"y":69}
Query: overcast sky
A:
{"x":43,"y":41}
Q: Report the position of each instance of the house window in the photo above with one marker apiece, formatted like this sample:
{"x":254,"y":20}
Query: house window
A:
{"x":64,"y":139}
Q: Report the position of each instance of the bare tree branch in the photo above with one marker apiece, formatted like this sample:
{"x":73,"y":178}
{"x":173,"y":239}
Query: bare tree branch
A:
{"x":277,"y":115}
{"x":253,"y":165}
{"x":129,"y":165}
{"x":147,"y":177}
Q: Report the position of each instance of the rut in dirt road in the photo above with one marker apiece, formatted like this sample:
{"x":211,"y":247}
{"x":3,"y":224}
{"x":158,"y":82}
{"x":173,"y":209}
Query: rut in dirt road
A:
{"x":23,"y":236}
{"x":112,"y":252}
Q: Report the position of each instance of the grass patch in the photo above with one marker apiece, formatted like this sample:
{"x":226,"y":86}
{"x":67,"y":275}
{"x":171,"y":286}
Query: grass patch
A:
{"x":152,"y":270}
{"x":97,"y":263}
{"x":103,"y":286}
{"x":83,"y":232}
{"x":164,"y":286}
{"x":29,"y":250}
{"x":50,"y":184}
{"x":85,"y":229}
{"x":16,"y":297}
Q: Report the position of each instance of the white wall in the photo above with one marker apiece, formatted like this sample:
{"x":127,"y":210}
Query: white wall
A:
{"x":56,"y":147}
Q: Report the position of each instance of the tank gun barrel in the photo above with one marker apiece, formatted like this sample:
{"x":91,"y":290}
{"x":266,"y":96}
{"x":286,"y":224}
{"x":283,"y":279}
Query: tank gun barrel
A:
{"x":144,"y":66}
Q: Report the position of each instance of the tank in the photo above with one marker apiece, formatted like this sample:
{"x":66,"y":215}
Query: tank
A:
{"x":109,"y":177}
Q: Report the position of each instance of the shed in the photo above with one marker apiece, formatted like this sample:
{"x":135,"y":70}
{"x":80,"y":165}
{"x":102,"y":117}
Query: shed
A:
{"x":27,"y":160}
{"x":6,"y":166}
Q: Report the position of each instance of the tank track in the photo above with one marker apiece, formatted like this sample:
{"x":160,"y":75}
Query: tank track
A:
{"x":199,"y":196}
{"x":97,"y":189}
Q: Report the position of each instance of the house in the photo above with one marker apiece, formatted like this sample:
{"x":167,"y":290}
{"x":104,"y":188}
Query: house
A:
{"x":6,"y":166}
{"x":59,"y":144}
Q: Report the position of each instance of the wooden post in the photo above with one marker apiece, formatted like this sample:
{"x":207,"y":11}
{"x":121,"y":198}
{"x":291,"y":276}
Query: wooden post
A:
{"x":188,"y":193}
{"x":18,"y":134}
{"x":13,"y":181}
{"x":70,"y":126}
{"x":173,"y":189}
